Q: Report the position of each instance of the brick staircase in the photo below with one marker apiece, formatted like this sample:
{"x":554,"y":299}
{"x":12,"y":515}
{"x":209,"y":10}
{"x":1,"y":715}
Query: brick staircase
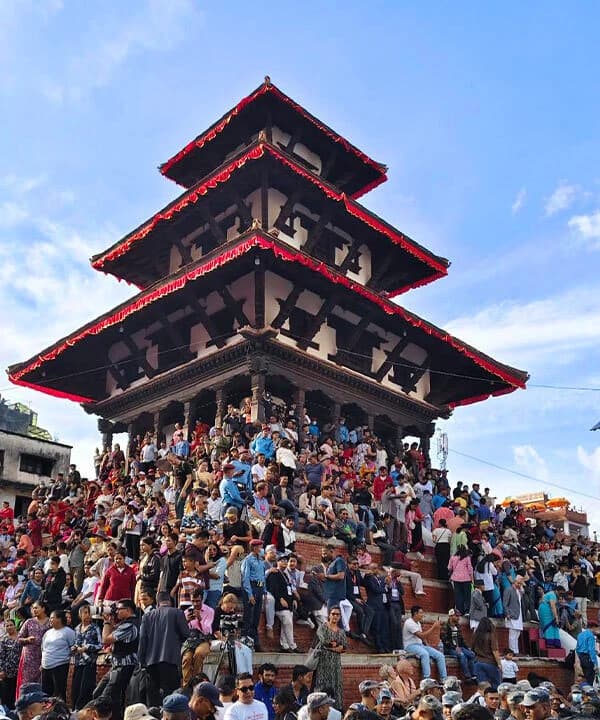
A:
{"x":360,"y":662}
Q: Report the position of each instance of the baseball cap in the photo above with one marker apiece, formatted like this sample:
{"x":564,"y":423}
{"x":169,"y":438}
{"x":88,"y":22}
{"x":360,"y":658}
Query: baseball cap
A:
{"x":24,"y":701}
{"x":515,"y":697}
{"x":535,"y":696}
{"x":504,"y":688}
{"x":452,"y":683}
{"x":523,"y":685}
{"x":318,"y":699}
{"x":428,"y":684}
{"x":451,"y":699}
{"x":431,"y":703}
{"x":209,"y":691}
{"x":175,"y":702}
{"x":384,"y":694}
{"x":368,"y":685}
{"x":256,"y":542}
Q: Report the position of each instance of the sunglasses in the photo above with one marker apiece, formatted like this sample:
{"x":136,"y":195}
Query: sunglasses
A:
{"x":246,"y":688}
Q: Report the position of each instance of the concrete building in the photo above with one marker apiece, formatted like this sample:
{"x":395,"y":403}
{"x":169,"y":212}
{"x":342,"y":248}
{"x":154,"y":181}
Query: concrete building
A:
{"x":26,"y":462}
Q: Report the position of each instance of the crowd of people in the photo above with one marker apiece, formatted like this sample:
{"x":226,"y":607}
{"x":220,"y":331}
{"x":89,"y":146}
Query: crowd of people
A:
{"x":178,"y":549}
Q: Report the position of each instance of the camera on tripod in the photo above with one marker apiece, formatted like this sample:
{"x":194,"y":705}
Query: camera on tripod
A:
{"x":230,"y":623}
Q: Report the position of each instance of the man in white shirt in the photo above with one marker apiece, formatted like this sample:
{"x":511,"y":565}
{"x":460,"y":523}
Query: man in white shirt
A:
{"x":415,"y":639}
{"x":259,"y":469}
{"x":246,"y":708}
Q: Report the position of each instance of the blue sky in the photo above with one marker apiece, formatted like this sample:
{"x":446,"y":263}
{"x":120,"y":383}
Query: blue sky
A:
{"x":487,"y":118}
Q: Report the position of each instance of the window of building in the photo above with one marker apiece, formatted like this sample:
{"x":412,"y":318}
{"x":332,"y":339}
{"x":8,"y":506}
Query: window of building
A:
{"x":36,"y":465}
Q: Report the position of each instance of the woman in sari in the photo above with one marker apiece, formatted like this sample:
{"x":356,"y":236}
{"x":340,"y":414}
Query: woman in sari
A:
{"x":30,"y":637}
{"x":548,"y":615}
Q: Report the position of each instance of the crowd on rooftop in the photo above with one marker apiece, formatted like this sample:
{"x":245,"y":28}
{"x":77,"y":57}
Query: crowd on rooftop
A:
{"x":181,"y":548}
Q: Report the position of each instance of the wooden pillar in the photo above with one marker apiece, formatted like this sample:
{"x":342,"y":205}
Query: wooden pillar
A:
{"x":221,"y":400}
{"x":189,"y":416}
{"x":371,"y":421}
{"x":159,"y":416}
{"x":399,"y":439}
{"x":337,"y":411}
{"x":106,"y":428}
{"x":299,"y":398}
{"x":257,"y":383}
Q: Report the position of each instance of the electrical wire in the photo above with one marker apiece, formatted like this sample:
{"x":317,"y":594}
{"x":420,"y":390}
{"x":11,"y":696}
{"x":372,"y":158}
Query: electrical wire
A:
{"x":523,"y":475}
{"x":397,"y":363}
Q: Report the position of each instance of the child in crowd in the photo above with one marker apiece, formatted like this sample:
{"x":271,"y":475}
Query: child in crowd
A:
{"x":509,"y":667}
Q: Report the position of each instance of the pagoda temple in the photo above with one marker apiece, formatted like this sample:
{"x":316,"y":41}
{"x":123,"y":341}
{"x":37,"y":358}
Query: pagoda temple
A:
{"x":266,"y":275}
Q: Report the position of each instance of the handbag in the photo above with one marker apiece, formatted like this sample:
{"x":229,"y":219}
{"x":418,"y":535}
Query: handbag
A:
{"x":313,"y":656}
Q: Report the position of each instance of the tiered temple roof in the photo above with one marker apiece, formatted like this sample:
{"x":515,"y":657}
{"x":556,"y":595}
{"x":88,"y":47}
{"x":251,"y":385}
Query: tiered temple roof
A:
{"x":268,"y":254}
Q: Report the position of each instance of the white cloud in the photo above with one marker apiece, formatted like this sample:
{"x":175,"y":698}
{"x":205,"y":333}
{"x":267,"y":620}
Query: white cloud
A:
{"x":591,"y":462}
{"x":21,"y":185}
{"x":12,"y":213}
{"x":158,"y":26}
{"x":562,"y":198}
{"x":535,"y":332}
{"x":588,"y":227}
{"x":519,"y":201}
{"x":530,"y":462}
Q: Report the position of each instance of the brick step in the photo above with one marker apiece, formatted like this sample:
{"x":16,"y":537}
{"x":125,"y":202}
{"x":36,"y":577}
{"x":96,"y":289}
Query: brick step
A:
{"x":358,"y":667}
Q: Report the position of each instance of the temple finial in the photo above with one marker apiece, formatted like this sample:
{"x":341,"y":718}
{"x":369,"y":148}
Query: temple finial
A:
{"x":267,"y":80}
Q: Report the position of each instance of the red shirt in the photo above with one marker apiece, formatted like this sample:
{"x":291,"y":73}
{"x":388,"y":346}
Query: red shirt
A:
{"x":7,"y":514}
{"x":117,"y":584}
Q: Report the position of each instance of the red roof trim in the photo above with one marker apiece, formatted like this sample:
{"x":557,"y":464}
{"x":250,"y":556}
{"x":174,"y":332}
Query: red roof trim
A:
{"x":264,"y":243}
{"x":223,"y":175}
{"x":210,"y":134}
{"x":479,"y":398}
{"x":52,"y":391}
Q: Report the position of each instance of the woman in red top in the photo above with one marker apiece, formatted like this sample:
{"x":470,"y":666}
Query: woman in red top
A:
{"x":118,"y":582}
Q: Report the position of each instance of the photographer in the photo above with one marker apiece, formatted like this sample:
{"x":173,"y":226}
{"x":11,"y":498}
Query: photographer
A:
{"x":121,"y":631}
{"x":226,"y":628}
{"x":200,"y":618}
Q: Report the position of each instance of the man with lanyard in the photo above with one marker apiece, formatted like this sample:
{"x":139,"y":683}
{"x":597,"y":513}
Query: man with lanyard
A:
{"x":364,"y":614}
{"x":279,"y":585}
{"x":123,"y":634}
{"x":253,"y":586}
{"x":265,"y":689}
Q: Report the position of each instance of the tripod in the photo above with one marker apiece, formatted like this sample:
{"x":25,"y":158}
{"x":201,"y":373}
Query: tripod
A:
{"x":229,"y":650}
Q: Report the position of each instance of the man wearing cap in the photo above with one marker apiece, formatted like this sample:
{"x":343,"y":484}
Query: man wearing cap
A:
{"x":513,"y":702}
{"x":246,"y":707}
{"x":205,"y":701}
{"x":369,"y":693}
{"x":175,"y":707}
{"x":31,"y":704}
{"x":319,"y":706}
{"x":455,"y":646}
{"x":536,"y":704}
{"x":253,"y":586}
{"x":123,"y":635}
{"x":449,"y":700}
{"x":229,"y":490}
{"x":430,"y":686}
{"x":503,"y":691}
{"x":429,"y":708}
{"x":385,"y":704}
